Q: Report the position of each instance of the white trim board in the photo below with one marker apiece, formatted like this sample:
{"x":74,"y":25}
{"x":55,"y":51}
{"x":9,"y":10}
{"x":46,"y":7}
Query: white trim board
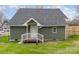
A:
{"x":38,"y":24}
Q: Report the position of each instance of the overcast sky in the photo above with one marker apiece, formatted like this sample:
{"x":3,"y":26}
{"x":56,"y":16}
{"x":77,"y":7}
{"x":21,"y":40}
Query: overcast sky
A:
{"x":10,"y":10}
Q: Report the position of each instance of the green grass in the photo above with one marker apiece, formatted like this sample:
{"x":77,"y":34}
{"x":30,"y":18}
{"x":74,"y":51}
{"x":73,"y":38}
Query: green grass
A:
{"x":67,"y":46}
{"x":4,"y":39}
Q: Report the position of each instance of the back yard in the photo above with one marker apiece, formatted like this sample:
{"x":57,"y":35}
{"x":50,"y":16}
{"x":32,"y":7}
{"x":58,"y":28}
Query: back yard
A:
{"x":69,"y":46}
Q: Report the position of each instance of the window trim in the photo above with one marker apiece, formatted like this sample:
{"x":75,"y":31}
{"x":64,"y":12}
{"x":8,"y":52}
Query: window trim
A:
{"x":54,"y":30}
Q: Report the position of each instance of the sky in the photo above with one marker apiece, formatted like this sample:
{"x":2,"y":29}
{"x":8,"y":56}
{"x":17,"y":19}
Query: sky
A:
{"x":10,"y":10}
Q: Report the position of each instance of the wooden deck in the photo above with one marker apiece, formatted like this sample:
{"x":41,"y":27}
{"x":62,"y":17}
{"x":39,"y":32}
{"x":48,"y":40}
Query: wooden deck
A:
{"x":31,"y":40}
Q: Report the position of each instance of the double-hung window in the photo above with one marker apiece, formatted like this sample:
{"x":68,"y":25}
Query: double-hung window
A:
{"x":54,"y":29}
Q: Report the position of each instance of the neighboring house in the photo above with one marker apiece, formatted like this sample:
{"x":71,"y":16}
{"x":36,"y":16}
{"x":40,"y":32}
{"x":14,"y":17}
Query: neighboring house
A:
{"x":49,"y":23}
{"x":72,"y":28}
{"x":1,"y":20}
{"x":6,"y":26}
{"x":1,"y":29}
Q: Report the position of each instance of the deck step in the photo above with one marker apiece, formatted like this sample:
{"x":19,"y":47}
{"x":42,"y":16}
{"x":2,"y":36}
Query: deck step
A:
{"x":31,"y":41}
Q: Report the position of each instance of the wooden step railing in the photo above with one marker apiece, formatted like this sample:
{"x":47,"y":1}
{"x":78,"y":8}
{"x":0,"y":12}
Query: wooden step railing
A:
{"x":27,"y":36}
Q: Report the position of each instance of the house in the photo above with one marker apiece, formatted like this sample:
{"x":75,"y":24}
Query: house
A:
{"x":5,"y":26}
{"x":1,"y":20}
{"x":1,"y":24}
{"x":46,"y":24}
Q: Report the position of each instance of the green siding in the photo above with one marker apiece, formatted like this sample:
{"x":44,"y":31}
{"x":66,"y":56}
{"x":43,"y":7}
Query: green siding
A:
{"x":60,"y":33}
{"x":16,"y":32}
{"x":49,"y":35}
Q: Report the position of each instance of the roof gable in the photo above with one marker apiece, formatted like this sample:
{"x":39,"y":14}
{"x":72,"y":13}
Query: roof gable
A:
{"x":43,"y":16}
{"x":26,"y":23}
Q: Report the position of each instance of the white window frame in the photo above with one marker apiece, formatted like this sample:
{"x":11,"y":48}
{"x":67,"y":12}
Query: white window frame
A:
{"x":54,"y":30}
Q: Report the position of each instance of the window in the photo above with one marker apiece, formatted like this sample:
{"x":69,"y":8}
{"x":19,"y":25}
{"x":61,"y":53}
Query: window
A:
{"x":54,"y":30}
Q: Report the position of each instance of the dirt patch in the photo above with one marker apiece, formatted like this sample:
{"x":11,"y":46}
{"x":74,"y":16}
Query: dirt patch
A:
{"x":76,"y":43}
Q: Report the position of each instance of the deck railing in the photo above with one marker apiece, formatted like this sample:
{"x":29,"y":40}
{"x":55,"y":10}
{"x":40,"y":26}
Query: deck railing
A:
{"x":27,"y":36}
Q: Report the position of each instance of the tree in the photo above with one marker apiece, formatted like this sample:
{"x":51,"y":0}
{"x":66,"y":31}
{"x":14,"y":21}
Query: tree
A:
{"x":76,"y":16}
{"x":75,"y":20}
{"x":1,"y":18}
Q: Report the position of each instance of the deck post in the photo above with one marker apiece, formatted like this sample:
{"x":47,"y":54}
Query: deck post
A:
{"x":36,"y":41}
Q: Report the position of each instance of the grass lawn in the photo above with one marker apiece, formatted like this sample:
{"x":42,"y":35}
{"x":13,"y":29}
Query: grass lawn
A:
{"x":69,"y":46}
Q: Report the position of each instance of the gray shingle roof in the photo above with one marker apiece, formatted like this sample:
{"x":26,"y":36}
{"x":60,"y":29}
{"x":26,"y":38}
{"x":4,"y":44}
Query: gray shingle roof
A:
{"x":43,"y":16}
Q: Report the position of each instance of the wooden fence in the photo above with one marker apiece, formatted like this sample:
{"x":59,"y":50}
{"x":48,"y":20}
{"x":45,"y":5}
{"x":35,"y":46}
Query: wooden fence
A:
{"x":72,"y":30}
